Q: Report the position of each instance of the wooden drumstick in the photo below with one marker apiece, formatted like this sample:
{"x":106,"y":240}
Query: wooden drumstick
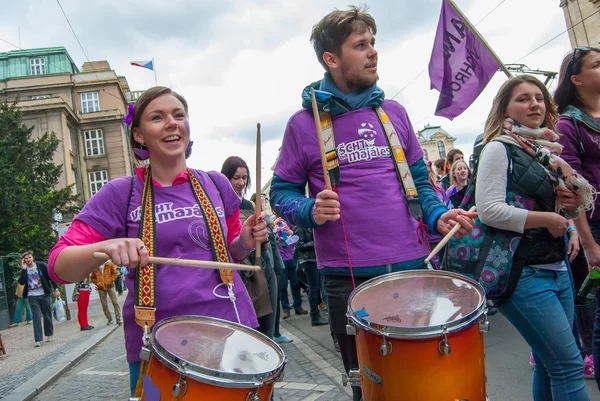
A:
{"x":206,"y":264}
{"x":258,"y":198}
{"x":320,"y":139}
{"x":445,"y":240}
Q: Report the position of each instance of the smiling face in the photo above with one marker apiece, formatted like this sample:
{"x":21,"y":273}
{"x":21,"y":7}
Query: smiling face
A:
{"x":356,"y":65}
{"x":460,"y":171}
{"x":526,"y":105}
{"x":163,"y":128}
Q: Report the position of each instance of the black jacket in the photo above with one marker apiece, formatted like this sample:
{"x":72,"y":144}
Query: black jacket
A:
{"x":47,"y":284}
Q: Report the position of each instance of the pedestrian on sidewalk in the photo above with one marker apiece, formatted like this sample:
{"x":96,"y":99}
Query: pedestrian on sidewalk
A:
{"x":124,"y":274}
{"x":19,"y":306}
{"x":304,"y":253}
{"x":81,"y":295}
{"x":104,"y":278}
{"x":37,"y":287}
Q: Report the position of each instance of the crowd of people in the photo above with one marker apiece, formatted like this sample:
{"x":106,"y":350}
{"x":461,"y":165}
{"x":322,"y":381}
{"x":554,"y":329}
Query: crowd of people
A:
{"x":535,"y":179}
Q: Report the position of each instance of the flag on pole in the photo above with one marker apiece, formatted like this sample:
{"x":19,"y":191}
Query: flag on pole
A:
{"x":461,"y":62}
{"x":145,"y":64}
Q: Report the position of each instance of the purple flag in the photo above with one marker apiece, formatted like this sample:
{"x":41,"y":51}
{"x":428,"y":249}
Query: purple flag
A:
{"x":461,"y":65}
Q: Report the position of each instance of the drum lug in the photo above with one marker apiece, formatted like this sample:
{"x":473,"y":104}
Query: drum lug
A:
{"x":444,"y":346}
{"x":134,"y":399}
{"x":484,"y":324}
{"x":180,"y":388}
{"x":145,"y":354}
{"x":350,"y":329}
{"x":253,"y":396}
{"x":352,"y":378}
{"x":386,"y":348}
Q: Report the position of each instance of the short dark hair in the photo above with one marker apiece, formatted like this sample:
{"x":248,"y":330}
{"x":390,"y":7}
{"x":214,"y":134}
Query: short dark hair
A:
{"x":566,"y":93}
{"x":26,"y":253}
{"x":451,"y":153}
{"x":230,"y":166}
{"x":329,"y":34}
{"x":140,"y":105}
{"x":440,"y":163}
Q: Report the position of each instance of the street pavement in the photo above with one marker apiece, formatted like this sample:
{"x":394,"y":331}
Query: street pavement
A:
{"x":313,"y":369}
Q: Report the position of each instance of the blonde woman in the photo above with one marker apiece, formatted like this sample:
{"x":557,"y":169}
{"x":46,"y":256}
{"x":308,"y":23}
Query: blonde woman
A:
{"x":460,"y":175}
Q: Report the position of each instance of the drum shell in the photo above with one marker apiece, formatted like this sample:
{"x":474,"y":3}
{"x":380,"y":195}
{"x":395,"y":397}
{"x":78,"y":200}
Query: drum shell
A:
{"x":416,"y":370}
{"x":164,"y":378}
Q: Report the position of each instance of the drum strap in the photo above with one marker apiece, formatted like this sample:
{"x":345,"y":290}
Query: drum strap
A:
{"x":402,"y":169}
{"x":145,"y":290}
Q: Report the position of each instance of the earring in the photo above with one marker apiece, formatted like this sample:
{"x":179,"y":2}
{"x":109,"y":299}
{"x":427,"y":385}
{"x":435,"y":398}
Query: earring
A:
{"x":578,"y":84}
{"x":141,"y":152}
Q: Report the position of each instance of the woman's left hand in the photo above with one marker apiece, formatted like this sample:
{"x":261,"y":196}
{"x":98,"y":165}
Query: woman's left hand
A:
{"x":254,"y":230}
{"x":574,"y":247}
{"x":568,"y":199}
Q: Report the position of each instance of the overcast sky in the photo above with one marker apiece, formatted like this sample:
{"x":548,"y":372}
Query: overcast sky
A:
{"x":239,"y":62}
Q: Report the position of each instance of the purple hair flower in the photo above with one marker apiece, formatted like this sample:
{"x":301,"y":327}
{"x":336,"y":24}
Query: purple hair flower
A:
{"x":129,"y":117}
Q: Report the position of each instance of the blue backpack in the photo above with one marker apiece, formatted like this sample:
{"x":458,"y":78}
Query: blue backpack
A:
{"x":493,"y":257}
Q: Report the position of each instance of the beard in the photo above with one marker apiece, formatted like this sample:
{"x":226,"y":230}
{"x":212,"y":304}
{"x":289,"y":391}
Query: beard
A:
{"x":355,"y":82}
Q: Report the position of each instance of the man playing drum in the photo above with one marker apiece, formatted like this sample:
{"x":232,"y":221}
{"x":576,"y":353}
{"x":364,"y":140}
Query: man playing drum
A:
{"x":369,"y":224}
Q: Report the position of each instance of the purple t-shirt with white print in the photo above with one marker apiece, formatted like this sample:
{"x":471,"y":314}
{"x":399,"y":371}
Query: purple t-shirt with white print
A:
{"x":379,"y":227}
{"x":180,"y":232}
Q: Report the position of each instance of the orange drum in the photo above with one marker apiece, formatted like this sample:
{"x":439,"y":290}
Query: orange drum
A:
{"x":419,"y":337}
{"x":203,"y":358}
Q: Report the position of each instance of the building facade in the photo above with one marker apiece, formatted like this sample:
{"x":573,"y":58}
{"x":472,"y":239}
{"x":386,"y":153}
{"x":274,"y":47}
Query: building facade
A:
{"x":435,"y":142}
{"x":83,"y":108}
{"x":583,"y":21}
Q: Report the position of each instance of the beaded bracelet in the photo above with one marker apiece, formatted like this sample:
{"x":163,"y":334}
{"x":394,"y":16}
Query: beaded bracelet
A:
{"x":239,"y":244}
{"x":571,"y":229}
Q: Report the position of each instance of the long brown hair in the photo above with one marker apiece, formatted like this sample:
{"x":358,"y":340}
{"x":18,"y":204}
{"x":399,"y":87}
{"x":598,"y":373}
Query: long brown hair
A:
{"x":495,"y":121}
{"x":140,"y":105}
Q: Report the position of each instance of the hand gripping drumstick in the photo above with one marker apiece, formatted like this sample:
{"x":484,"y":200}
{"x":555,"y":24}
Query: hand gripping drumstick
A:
{"x":320,"y":138}
{"x":445,"y":240}
{"x":258,"y":198}
{"x":187,"y":262}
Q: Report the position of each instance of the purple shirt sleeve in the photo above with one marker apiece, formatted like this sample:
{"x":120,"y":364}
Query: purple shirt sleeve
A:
{"x":231,"y":201}
{"x":568,"y":139}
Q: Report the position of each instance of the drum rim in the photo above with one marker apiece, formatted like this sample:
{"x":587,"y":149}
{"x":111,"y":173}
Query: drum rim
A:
{"x":211,"y":376}
{"x":419,"y":332}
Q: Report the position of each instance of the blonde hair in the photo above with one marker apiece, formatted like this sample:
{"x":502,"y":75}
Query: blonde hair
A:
{"x":495,"y":121}
{"x":453,"y":179}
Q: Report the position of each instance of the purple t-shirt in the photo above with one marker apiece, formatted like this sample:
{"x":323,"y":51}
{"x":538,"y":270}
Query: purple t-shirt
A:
{"x":379,"y":227}
{"x":180,"y":232}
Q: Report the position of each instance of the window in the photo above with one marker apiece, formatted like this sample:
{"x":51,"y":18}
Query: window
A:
{"x":37,"y":66}
{"x":89,"y":102}
{"x":441,"y":149}
{"x":74,"y":187}
{"x":94,"y":142}
{"x":97,"y":179}
{"x":425,"y":155}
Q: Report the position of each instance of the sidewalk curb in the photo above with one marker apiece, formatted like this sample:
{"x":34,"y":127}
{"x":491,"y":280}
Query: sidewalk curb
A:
{"x":52,"y":372}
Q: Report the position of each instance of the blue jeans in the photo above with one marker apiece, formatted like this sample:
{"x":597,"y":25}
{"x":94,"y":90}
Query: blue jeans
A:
{"x":19,"y":310}
{"x":289,"y":273}
{"x":134,"y":375}
{"x":541,"y":309}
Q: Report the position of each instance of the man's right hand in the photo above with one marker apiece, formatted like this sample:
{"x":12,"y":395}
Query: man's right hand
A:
{"x":327,"y":207}
{"x":23,"y":265}
{"x":592,"y":254}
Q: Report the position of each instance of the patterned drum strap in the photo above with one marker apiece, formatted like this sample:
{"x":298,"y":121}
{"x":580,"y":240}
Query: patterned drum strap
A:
{"x":216,"y":235}
{"x":145,"y":308}
{"x":402,"y":169}
{"x":333,"y":166}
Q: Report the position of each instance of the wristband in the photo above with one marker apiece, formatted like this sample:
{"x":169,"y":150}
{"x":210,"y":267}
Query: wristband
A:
{"x":571,"y":229}
{"x":239,"y":244}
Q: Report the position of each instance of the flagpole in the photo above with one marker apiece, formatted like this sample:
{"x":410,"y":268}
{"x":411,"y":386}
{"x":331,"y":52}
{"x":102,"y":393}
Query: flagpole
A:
{"x":476,"y":32}
{"x":154,"y":69}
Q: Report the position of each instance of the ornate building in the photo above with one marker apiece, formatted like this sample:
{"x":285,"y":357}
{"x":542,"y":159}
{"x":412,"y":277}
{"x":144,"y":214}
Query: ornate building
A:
{"x":435,"y":142}
{"x":583,"y":21}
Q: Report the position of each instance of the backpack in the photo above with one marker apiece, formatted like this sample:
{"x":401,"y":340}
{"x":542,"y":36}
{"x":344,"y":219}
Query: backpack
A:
{"x":493,"y":257}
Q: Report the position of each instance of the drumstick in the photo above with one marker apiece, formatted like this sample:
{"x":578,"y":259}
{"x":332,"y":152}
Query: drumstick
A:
{"x":445,"y":240}
{"x":320,"y":139}
{"x":187,"y":262}
{"x":258,"y":198}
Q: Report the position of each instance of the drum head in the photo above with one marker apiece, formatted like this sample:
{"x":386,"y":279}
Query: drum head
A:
{"x":417,"y":303}
{"x":217,"y":347}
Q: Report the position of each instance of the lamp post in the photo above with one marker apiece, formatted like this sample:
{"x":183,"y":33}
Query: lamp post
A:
{"x":58,"y":218}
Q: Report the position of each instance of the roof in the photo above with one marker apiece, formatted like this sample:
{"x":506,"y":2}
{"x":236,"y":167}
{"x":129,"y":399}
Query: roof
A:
{"x":427,"y":133}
